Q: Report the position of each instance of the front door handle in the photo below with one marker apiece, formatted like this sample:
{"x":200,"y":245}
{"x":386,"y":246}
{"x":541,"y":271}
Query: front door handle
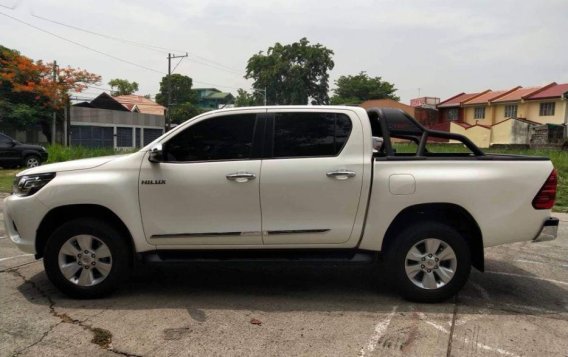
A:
{"x":341,"y":174}
{"x":241,"y":176}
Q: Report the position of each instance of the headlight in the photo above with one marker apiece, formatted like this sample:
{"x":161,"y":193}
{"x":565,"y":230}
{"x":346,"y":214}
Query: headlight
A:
{"x":27,"y":185}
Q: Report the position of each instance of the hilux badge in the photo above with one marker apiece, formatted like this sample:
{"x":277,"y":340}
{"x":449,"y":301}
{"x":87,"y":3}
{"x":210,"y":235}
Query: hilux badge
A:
{"x":153,"y":182}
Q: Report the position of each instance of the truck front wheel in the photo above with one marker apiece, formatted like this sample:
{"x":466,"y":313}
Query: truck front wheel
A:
{"x":86,"y":258}
{"x":428,"y":262}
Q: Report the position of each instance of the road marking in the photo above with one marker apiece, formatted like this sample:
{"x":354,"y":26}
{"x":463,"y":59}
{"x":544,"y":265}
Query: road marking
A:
{"x":380,"y":329}
{"x":535,"y":262}
{"x":3,"y":237}
{"x":465,"y":339}
{"x":17,"y":256}
{"x":527,"y":276}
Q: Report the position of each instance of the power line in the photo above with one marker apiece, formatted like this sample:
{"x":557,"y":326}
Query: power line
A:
{"x":8,"y":7}
{"x":104,"y":53}
{"x":81,"y":45}
{"x":198,"y":59}
{"x":133,"y":43}
{"x":217,"y":67}
{"x":101,"y":88}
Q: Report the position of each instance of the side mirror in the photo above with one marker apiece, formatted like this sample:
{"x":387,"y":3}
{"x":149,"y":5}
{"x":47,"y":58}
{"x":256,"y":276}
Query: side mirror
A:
{"x":156,"y":154}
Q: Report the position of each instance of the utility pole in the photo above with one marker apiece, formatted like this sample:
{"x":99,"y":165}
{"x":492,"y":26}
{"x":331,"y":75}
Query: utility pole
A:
{"x":53,"y":126}
{"x":263,"y":91}
{"x":169,"y":117}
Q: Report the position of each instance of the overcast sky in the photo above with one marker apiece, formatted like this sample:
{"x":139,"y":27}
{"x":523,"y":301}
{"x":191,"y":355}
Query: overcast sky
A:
{"x":442,"y":47}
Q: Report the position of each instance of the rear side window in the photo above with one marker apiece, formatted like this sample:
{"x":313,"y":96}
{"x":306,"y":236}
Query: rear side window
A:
{"x":310,"y":134}
{"x":221,"y":138}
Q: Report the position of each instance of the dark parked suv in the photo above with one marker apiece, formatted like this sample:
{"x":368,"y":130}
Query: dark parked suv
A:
{"x":15,"y":154}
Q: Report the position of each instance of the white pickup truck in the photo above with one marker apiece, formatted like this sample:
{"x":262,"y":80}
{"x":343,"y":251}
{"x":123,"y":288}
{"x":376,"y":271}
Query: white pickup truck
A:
{"x":298,"y":183}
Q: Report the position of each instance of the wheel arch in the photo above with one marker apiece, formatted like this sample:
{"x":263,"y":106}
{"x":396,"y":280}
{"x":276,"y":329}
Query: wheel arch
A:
{"x":59,"y":215}
{"x":446,"y":213}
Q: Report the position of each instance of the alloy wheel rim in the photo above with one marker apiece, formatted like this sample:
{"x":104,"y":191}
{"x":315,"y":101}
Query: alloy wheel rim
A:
{"x":85,"y":260}
{"x":431,"y":264}
{"x":32,"y":162}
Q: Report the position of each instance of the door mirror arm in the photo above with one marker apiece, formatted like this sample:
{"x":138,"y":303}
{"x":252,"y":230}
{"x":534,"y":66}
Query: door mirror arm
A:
{"x":156,"y":154}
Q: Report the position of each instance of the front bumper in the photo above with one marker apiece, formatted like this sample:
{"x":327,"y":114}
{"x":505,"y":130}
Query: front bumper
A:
{"x":549,"y":230}
{"x":22,"y":216}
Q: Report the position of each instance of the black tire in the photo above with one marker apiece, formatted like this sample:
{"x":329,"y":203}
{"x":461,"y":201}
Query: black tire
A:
{"x":32,"y":161}
{"x":102,"y":232}
{"x":396,"y":261}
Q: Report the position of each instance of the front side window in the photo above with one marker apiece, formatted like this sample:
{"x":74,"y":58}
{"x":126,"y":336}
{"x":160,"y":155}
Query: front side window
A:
{"x":510,"y":111}
{"x":479,"y":113}
{"x":310,"y":134}
{"x":221,"y":138}
{"x":547,"y":109}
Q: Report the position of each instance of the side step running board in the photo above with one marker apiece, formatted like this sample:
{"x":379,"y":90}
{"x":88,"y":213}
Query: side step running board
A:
{"x":238,"y":256}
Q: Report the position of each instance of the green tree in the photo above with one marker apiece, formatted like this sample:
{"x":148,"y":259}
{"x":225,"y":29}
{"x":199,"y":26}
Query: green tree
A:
{"x":360,"y":87}
{"x":246,"y":99}
{"x":180,"y":87}
{"x":29,"y":94}
{"x":292,"y":74}
{"x":123,"y":86}
{"x":182,"y":112}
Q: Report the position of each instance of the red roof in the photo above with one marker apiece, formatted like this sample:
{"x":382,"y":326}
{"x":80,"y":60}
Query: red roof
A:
{"x":518,"y":94}
{"x":489,"y":96}
{"x":144,"y":105}
{"x":456,"y":100}
{"x":555,"y":91}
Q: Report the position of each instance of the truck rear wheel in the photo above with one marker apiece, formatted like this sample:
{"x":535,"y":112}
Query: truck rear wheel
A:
{"x":86,"y":258}
{"x":429,"y":262}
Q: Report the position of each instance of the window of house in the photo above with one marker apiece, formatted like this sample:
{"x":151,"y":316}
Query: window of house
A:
{"x":547,"y":109}
{"x":151,"y":135}
{"x":137,"y":137}
{"x":453,"y":114}
{"x":479,"y":113}
{"x":92,"y":136}
{"x":511,"y":111}
{"x":310,"y":134}
{"x":124,"y":137}
{"x":227,"y":137}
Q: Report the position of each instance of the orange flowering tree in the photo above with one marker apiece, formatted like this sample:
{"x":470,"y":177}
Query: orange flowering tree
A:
{"x":28,"y":93}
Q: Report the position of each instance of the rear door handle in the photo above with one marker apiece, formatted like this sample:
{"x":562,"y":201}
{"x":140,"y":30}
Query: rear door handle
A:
{"x":241,"y":176}
{"x":341,"y":174}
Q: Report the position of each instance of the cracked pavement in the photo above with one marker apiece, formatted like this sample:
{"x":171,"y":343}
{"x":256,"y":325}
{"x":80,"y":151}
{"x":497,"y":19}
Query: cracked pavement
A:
{"x":519,"y":307}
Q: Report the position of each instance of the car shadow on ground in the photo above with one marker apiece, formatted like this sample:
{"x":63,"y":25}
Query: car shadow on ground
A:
{"x":284,"y":288}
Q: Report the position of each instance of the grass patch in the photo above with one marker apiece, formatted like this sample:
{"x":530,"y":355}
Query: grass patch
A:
{"x":7,"y":179}
{"x":101,"y":337}
{"x":58,"y":153}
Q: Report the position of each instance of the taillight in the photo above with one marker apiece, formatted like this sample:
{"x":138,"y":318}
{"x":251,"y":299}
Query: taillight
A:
{"x":545,"y":198}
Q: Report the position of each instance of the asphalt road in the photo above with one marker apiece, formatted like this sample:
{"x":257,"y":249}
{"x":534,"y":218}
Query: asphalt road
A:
{"x":519,"y":307}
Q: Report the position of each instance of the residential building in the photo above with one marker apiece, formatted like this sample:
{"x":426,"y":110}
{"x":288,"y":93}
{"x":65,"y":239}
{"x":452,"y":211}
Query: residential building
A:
{"x":505,"y":116}
{"x":118,"y":122}
{"x":212,"y":98}
{"x":451,"y":109}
